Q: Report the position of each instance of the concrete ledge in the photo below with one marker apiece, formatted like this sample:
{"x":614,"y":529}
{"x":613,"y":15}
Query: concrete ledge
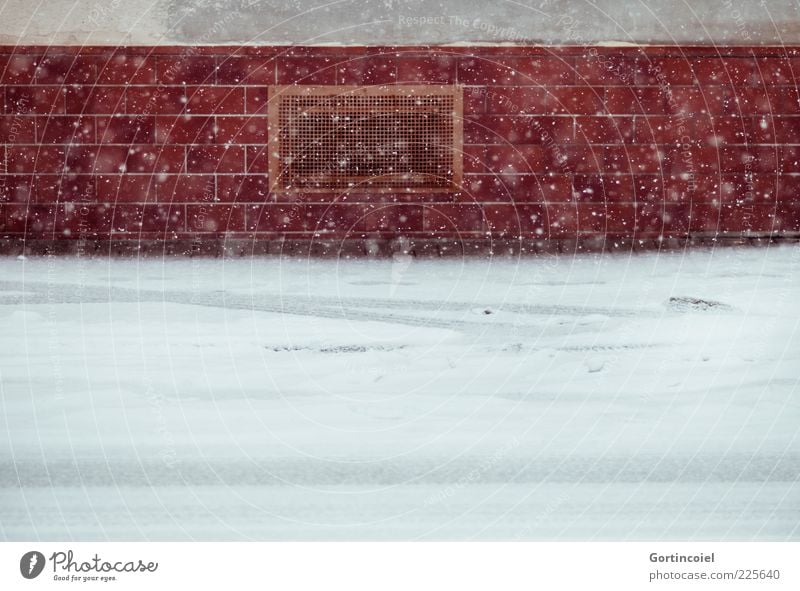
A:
{"x":354,"y":22}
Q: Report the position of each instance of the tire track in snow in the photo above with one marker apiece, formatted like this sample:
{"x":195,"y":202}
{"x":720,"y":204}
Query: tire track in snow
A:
{"x":356,"y":309}
{"x":319,"y":472}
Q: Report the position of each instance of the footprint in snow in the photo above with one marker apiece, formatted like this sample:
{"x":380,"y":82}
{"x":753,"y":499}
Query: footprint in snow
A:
{"x":692,"y":304}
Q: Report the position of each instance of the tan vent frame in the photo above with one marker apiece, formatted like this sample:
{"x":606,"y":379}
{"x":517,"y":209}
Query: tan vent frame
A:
{"x":442,"y":107}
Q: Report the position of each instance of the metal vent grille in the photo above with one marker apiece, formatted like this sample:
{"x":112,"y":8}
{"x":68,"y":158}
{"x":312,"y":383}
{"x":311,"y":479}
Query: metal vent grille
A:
{"x":398,"y":138}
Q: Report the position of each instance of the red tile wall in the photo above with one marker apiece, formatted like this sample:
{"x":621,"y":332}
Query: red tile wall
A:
{"x":559,"y":143}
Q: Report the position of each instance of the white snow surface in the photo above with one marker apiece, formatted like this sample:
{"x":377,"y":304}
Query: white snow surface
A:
{"x":550,"y":397}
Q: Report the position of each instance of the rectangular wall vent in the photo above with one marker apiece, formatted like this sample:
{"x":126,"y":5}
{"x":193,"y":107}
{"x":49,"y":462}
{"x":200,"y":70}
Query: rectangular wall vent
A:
{"x":387,"y":138}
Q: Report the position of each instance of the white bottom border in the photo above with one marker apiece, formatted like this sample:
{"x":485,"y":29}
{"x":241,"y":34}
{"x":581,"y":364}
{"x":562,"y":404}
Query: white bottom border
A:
{"x":506,"y":566}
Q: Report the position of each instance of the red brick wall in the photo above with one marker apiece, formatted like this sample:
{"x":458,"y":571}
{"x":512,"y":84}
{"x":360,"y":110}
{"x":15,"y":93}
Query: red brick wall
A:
{"x":604,"y":145}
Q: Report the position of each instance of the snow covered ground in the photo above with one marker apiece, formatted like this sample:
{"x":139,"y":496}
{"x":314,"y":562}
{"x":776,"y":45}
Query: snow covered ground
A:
{"x":549,"y":397}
